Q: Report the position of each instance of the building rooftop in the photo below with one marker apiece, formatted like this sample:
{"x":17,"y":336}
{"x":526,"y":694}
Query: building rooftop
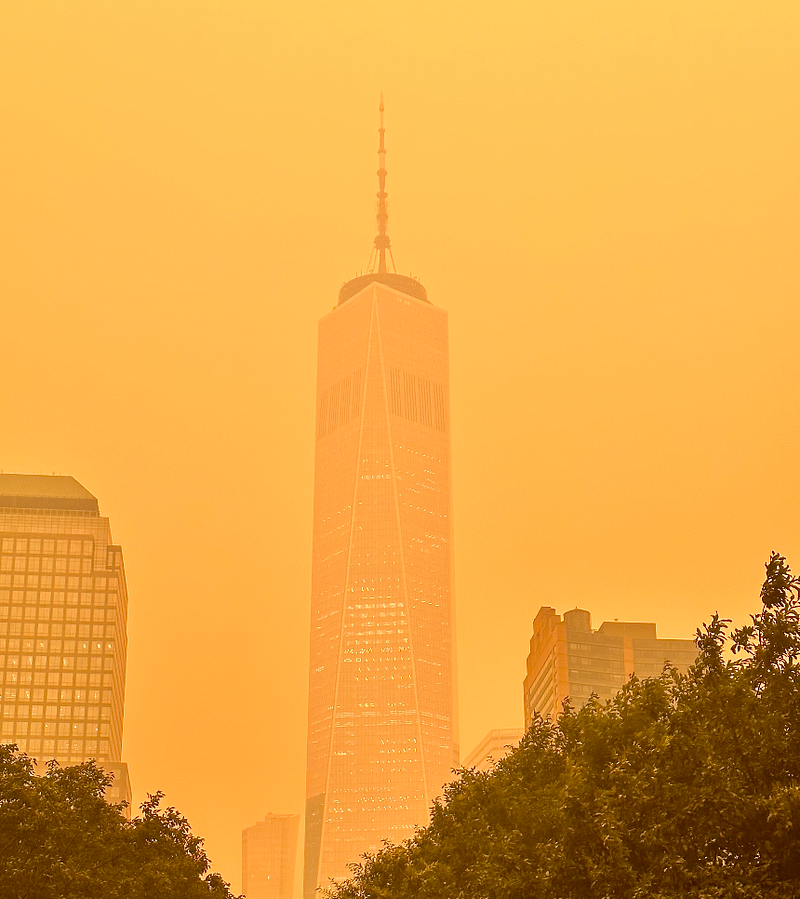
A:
{"x":636,"y":630}
{"x":43,"y":491}
{"x":409,"y":286}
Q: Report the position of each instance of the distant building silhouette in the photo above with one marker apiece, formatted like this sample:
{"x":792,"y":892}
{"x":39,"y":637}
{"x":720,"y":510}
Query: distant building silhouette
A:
{"x":381,"y":711}
{"x":568,"y":658}
{"x":63,"y":613}
{"x":494,"y":746}
{"x":269,"y":854}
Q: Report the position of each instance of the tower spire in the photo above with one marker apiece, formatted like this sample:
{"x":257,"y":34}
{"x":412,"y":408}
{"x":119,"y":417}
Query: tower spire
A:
{"x":382,"y":242}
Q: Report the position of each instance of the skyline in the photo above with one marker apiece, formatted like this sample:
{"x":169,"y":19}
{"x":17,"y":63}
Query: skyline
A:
{"x":605,"y":204}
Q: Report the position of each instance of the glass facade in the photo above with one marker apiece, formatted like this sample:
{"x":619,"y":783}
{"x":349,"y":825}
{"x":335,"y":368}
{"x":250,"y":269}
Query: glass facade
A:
{"x":63,"y":606}
{"x":269,"y":853}
{"x":381,"y":736}
{"x":568,"y":658}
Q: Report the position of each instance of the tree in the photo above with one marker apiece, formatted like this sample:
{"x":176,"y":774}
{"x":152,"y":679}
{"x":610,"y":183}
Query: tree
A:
{"x":59,"y":839}
{"x":680,"y":786}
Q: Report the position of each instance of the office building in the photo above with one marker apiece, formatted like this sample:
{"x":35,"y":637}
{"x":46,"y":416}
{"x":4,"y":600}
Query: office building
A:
{"x":269,"y":854}
{"x":63,"y":607}
{"x":494,"y":746}
{"x":381,"y":717}
{"x":568,"y":658}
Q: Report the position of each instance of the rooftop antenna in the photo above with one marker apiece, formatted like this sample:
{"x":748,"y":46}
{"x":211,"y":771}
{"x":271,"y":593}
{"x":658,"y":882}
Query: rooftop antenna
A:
{"x":382,"y":242}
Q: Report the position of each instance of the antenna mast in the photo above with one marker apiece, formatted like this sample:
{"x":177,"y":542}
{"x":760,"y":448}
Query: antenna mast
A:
{"x":382,"y":242}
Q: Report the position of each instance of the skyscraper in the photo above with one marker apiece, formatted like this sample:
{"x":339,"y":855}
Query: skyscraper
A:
{"x":381,"y":717}
{"x":63,"y":611}
{"x":269,"y":853}
{"x":568,"y":658}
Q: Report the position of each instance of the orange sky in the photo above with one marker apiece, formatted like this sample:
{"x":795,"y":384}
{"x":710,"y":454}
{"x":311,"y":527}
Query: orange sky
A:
{"x":604,"y":196}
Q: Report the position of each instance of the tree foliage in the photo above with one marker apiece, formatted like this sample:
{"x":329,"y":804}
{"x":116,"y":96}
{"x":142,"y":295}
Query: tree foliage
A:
{"x":59,"y":839}
{"x":680,"y":786}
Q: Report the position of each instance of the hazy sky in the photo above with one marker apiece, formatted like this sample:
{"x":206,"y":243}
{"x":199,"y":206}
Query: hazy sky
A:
{"x":605,"y":197}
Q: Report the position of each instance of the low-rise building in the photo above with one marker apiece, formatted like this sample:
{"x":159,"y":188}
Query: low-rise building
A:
{"x":494,"y":746}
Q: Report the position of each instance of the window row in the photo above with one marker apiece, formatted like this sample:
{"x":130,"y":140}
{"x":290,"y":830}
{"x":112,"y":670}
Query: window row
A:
{"x":21,"y":726}
{"x":29,"y":629}
{"x":38,"y":694}
{"x":94,"y":582}
{"x":68,"y":647}
{"x":27,"y":563}
{"x":68,"y":750}
{"x":82,"y":663}
{"x":57,"y":598}
{"x":47,"y":545}
{"x":57,"y":613}
{"x":22,"y":677}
